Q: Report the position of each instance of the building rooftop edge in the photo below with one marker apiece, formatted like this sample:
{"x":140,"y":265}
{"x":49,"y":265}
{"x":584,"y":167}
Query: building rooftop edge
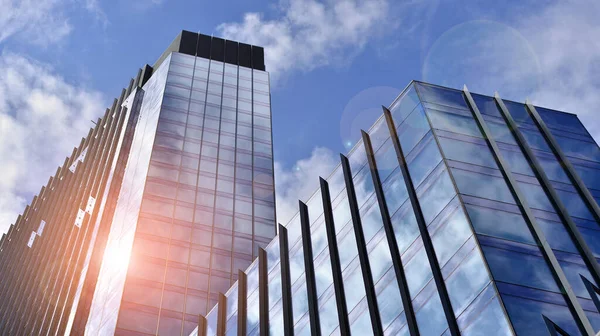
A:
{"x":215,"y":48}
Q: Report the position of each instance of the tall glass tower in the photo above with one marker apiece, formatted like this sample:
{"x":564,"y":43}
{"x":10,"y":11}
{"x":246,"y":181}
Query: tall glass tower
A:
{"x":153,"y":214}
{"x":455,"y":214}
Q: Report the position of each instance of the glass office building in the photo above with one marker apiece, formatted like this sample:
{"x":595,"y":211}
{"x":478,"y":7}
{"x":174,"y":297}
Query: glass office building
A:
{"x":158,"y":207}
{"x":455,"y":214}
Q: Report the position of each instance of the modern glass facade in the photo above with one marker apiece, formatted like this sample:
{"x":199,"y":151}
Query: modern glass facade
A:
{"x":456,"y":213}
{"x":174,"y":196}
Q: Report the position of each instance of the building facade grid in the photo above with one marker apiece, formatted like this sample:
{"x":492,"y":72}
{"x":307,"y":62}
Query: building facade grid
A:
{"x":512,"y":228}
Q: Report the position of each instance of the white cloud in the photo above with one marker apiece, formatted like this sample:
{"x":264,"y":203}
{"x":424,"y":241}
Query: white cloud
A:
{"x":300,"y":181}
{"x":42,"y":22}
{"x":142,"y":5}
{"x":309,"y":34}
{"x":565,"y":39}
{"x":42,"y":117}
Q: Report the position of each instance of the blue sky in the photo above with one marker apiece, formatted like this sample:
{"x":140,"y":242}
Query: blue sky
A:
{"x":333,"y":64}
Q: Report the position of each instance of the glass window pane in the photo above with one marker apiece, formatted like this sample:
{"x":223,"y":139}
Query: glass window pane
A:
{"x":520,"y":269}
{"x":431,"y":318}
{"x":500,"y":224}
{"x":451,"y":235}
{"x":418,"y":272}
{"x":490,"y":322}
{"x":412,"y":130}
{"x":424,"y":162}
{"x":526,"y":316}
{"x":402,"y":107}
{"x":535,"y":196}
{"x":453,"y":123}
{"x":478,"y":154}
{"x":435,"y":198}
{"x":443,"y":96}
{"x":481,"y":185}
{"x":467,"y":281}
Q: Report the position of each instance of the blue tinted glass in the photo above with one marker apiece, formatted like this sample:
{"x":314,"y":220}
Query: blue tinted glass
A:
{"x":363,"y":184}
{"x":379,"y":133}
{"x":501,"y":133}
{"x":556,"y":235}
{"x":357,"y":158}
{"x":405,"y":228}
{"x":535,"y":196}
{"x":276,"y":324}
{"x":357,"y":292}
{"x":594,"y":319}
{"x":362,"y":325}
{"x":328,"y":316}
{"x":390,"y":304}
{"x":518,"y":111}
{"x":467,"y":152}
{"x":577,"y":148}
{"x":394,"y":190}
{"x":534,"y":139}
{"x":481,"y":185}
{"x":443,"y":96}
{"x":380,"y":260}
{"x":486,"y":105}
{"x":413,"y":130}
{"x":592,"y":239}
{"x":431,"y":318}
{"x":561,"y":120}
{"x":323,"y":276}
{"x":490,"y":322}
{"x":526,"y":316}
{"x":574,"y":272}
{"x":341,"y":213}
{"x":500,"y":224}
{"x":517,"y":161}
{"x":386,"y":160}
{"x":211,"y":321}
{"x":371,"y":221}
{"x":425,"y":161}
{"x":347,"y":248}
{"x":590,"y":176}
{"x":436,"y":197}
{"x":574,"y":204}
{"x":402,"y":107}
{"x":453,"y":123}
{"x":553,"y":169}
{"x":467,"y":281}
{"x":299,"y":302}
{"x":274,"y":286}
{"x":418,"y":273}
{"x":451,"y":235}
{"x":520,"y":269}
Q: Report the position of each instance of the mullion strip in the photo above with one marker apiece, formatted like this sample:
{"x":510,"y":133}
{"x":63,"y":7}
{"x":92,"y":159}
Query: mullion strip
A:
{"x":363,"y":253}
{"x":242,"y":303}
{"x":309,"y":267}
{"x":99,"y":183}
{"x":426,"y":238}
{"x":263,"y":292}
{"x":58,"y":220}
{"x":19,"y":291}
{"x":221,"y":315}
{"x":88,"y":167}
{"x":391,"y":238}
{"x":53,"y":232}
{"x":286,"y":285}
{"x":334,"y":255}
